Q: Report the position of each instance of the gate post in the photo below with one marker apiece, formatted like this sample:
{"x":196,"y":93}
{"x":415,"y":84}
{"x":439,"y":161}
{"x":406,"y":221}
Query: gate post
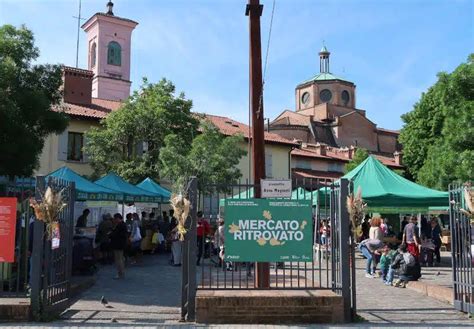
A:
{"x":344,"y":248}
{"x":188,"y":280}
{"x":36,"y":258}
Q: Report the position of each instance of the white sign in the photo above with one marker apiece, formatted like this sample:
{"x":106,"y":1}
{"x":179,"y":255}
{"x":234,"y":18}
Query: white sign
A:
{"x":275,"y":188}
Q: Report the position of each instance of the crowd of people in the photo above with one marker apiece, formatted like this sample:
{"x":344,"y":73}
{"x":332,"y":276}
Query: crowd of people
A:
{"x":418,"y":247}
{"x":123,"y":241}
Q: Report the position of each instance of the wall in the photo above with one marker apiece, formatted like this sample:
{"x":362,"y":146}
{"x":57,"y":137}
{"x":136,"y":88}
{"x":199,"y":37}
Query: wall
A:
{"x":280,"y":165}
{"x":49,"y":157}
{"x":316,"y":164}
{"x":353,"y":128}
{"x":387,"y":143}
{"x":289,"y":132}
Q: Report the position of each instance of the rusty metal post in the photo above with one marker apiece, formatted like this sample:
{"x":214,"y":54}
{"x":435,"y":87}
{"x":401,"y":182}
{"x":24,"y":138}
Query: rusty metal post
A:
{"x":254,"y":11}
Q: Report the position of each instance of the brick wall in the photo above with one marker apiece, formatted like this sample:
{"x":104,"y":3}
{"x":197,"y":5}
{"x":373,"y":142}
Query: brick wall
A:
{"x":268,"y":307}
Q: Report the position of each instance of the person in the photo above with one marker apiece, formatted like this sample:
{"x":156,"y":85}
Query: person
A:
{"x":136,"y":238}
{"x":323,"y":231}
{"x":82,"y":220}
{"x":368,"y":247}
{"x":144,"y":216}
{"x":219,"y":239}
{"x":118,"y":242}
{"x":410,"y":237}
{"x":157,"y":240}
{"x":407,"y":267}
{"x":385,"y":260}
{"x":176,"y":247}
{"x":102,"y":237}
{"x":203,"y":230}
{"x":365,"y":226}
{"x":375,"y":233}
{"x":164,"y":224}
{"x":384,"y":226}
{"x":436,"y":235}
{"x":402,"y":227}
{"x":427,"y":250}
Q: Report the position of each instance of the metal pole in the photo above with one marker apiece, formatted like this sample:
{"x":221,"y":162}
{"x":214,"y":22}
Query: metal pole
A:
{"x":344,"y":247}
{"x":193,"y":198}
{"x":254,"y":11}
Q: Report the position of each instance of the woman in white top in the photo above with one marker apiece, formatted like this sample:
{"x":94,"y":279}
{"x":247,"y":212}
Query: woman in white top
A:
{"x":375,"y":233}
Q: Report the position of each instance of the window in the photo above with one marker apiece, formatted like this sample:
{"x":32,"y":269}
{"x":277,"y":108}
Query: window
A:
{"x":93,"y":54}
{"x":75,"y":142}
{"x":114,"y":54}
{"x":325,"y":95}
{"x":268,"y":165}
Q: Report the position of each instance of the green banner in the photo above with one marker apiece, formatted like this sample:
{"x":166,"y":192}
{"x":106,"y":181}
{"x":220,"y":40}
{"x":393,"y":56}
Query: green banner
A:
{"x":263,"y":230}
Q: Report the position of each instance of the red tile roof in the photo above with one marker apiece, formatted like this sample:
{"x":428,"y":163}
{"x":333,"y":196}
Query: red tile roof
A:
{"x":315,"y":174}
{"x":395,"y":132}
{"x":230,"y":127}
{"x":99,"y":108}
{"x":333,"y":154}
{"x":293,"y":118}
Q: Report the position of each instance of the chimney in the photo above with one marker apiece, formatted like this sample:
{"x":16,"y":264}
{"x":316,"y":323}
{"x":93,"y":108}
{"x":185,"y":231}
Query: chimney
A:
{"x":77,"y":85}
{"x":321,"y":149}
{"x":348,"y":151}
{"x":398,"y":158}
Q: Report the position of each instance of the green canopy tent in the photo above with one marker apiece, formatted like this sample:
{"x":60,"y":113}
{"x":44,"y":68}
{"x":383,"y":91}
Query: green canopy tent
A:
{"x":86,"y":190}
{"x":131,"y":192}
{"x":150,"y":185}
{"x":387,"y":192}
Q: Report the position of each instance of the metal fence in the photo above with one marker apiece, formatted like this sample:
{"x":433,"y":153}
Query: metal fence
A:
{"x":14,"y":276}
{"x":462,"y":245}
{"x":330,"y":269}
{"x":51,"y":268}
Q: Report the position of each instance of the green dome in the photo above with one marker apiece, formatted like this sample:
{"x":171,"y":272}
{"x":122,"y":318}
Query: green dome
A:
{"x":323,"y":77}
{"x":324,"y":49}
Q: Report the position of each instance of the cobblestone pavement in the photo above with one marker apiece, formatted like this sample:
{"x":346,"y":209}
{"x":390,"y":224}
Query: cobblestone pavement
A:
{"x":150,"y":297}
{"x":380,"y":304}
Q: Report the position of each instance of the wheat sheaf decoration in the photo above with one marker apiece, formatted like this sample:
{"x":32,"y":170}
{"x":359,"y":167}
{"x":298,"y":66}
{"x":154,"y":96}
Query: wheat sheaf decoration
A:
{"x":181,"y":207}
{"x":469,"y":202}
{"x":49,"y":208}
{"x":356,"y":208}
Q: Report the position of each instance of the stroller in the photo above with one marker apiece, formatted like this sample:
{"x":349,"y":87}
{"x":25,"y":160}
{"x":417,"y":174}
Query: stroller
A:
{"x":83,"y":260}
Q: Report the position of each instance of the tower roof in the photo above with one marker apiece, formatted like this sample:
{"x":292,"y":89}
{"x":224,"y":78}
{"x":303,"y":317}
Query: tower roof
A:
{"x":324,"y":49}
{"x":324,"y":77}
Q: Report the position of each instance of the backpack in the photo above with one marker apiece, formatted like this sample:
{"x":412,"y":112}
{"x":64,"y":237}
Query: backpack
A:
{"x":409,"y":259}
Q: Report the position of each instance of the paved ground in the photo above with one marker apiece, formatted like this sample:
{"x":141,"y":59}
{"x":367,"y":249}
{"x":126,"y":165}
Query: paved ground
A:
{"x":150,"y":297}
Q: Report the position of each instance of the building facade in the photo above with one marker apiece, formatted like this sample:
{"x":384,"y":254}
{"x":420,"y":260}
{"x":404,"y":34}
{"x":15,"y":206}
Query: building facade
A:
{"x":329,"y":127}
{"x":90,"y":95}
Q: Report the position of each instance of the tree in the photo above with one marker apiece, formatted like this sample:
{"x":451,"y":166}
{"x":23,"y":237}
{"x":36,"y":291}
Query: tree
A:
{"x":359,"y":156}
{"x":212,"y":158}
{"x":27,"y":94}
{"x":438,"y":135}
{"x":130,"y":139}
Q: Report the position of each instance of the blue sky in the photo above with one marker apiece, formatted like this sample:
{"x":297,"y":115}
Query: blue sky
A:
{"x":392,"y":50}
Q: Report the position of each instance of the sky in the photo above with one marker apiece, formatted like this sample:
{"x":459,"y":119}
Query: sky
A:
{"x":392,"y":50}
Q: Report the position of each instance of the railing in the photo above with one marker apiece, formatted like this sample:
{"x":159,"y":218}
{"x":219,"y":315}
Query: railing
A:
{"x":325,"y":271}
{"x":14,"y":277}
{"x":462,"y":241}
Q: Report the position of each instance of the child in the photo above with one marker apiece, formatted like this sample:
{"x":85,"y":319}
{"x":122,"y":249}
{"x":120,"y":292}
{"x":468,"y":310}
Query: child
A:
{"x":427,"y":251}
{"x":385,"y":260}
{"x":157,"y":240}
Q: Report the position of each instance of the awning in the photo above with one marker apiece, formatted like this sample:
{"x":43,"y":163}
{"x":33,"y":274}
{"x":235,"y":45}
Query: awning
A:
{"x":150,"y":185}
{"x":86,"y":190}
{"x":131,"y":192}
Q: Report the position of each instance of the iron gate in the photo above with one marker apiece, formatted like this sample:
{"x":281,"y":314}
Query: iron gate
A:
{"x":51,"y":268}
{"x":462,"y":246}
{"x":330,"y":269}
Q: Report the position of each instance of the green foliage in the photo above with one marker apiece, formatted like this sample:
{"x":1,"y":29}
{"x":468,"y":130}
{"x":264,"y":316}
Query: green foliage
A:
{"x":146,"y":118}
{"x":438,"y":135}
{"x":27,"y":94}
{"x":359,"y":156}
{"x":211,"y":157}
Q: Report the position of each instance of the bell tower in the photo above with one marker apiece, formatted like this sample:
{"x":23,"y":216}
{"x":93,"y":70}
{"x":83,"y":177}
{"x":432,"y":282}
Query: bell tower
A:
{"x":109,"y":50}
{"x":324,"y":60}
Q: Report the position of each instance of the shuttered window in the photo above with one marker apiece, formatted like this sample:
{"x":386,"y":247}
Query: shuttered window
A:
{"x":114,"y":53}
{"x":268,"y":165}
{"x":75,"y":142}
